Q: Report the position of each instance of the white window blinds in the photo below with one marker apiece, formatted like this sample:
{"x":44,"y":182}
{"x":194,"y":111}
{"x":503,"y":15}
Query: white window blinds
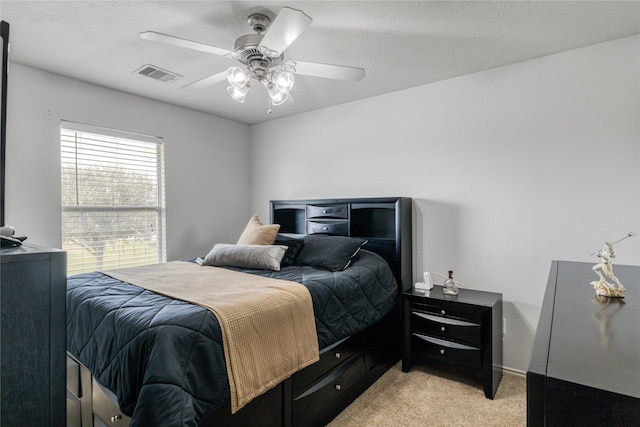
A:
{"x":113,"y":212}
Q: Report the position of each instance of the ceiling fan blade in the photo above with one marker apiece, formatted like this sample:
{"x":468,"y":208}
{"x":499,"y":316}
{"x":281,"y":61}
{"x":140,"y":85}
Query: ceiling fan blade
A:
{"x":188,"y":44}
{"x":207,"y":81}
{"x":327,"y":71}
{"x":287,"y":26}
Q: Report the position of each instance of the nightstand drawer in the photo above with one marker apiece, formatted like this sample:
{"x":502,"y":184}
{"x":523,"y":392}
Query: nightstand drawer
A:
{"x":446,"y":350}
{"x":338,"y":228}
{"x":328,"y":211}
{"x":460,"y":312}
{"x":445,"y":327}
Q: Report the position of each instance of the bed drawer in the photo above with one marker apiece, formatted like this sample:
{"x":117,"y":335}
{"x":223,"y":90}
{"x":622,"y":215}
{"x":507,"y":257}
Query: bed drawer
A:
{"x":322,"y":398}
{"x":338,"y":228}
{"x":329,"y":359}
{"x":74,"y":411}
{"x":105,"y":407}
{"x":328,"y":211}
{"x":73,"y":378}
{"x":446,"y":350}
{"x":445,"y":327}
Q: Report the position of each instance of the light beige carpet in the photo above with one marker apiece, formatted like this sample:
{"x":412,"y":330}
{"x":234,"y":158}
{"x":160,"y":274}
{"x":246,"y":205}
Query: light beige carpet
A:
{"x":435,"y":397}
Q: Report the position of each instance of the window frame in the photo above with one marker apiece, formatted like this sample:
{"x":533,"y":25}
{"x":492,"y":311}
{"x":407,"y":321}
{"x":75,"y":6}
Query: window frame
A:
{"x":159,"y":208}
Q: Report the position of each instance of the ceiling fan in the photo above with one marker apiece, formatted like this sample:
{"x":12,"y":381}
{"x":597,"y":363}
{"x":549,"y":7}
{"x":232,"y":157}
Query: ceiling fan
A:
{"x":262,"y":58}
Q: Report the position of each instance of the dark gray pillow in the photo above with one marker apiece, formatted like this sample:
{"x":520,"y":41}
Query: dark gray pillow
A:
{"x":328,"y":252}
{"x":293,"y":248}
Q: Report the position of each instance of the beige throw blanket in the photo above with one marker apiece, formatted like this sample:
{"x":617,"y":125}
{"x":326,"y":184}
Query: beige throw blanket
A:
{"x":268,"y":328}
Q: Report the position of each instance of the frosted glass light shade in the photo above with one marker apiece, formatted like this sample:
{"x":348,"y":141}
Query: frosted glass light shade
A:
{"x":238,"y":93}
{"x":283,"y":79}
{"x":238,"y":77}
{"x":277,"y":95}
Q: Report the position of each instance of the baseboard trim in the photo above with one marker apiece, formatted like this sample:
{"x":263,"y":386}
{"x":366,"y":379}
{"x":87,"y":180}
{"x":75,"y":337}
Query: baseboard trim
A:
{"x":514,"y":372}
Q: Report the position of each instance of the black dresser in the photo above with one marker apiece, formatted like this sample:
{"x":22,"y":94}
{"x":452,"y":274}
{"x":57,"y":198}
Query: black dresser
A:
{"x":585,"y":363}
{"x":33,"y":336}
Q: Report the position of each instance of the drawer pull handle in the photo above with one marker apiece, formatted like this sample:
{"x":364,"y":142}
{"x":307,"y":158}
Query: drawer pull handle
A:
{"x":116,"y":418}
{"x":325,"y":228}
{"x":443,"y":312}
{"x":338,"y":355}
{"x":338,"y":387}
{"x":442,"y":328}
{"x":442,"y":351}
{"x":324,"y":211}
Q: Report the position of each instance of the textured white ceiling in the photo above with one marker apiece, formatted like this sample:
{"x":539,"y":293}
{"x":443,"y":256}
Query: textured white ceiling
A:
{"x":400,"y":44}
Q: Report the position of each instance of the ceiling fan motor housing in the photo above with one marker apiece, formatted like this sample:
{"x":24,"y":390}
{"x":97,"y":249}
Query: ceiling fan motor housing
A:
{"x":247,"y":48}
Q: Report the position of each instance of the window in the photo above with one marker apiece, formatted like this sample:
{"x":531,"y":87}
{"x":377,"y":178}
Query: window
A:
{"x":113,"y":212}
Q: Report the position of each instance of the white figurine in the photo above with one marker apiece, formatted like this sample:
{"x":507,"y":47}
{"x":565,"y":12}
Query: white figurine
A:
{"x":602,"y":287}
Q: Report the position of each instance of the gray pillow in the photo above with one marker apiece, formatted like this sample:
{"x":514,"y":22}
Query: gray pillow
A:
{"x":328,"y":252}
{"x":262,"y":257}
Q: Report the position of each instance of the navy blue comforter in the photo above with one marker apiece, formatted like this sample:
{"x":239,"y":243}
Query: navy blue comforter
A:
{"x":163,"y":358}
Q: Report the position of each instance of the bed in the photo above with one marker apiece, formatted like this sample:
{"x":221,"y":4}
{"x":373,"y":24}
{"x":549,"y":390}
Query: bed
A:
{"x":140,"y":358}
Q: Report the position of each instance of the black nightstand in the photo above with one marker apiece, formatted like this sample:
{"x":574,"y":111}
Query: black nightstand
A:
{"x":464,"y":330}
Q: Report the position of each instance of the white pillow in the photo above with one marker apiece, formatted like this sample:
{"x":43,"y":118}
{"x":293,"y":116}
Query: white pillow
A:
{"x":262,"y":257}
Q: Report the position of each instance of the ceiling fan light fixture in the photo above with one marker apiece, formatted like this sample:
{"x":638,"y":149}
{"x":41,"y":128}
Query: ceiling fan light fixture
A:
{"x":262,"y":57}
{"x":238,"y":77}
{"x":283,"y":79}
{"x":277,"y":95}
{"x":238,"y":93}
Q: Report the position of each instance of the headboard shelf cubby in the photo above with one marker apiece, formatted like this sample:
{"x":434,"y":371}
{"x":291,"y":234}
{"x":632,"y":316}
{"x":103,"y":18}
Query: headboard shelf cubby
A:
{"x":384,"y":221}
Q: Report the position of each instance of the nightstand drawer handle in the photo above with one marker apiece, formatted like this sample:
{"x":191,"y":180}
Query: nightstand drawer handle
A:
{"x":443,"y":312}
{"x":116,"y":418}
{"x":442,"y":351}
{"x":324,"y":211}
{"x":325,"y":228}
{"x":337,"y":355}
{"x":442,"y":328}
{"x":338,"y":387}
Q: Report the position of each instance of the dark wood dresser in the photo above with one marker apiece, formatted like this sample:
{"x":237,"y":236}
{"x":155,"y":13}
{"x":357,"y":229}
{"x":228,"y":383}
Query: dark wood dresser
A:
{"x":463,"y":330}
{"x":33,"y":336}
{"x":585,"y":363}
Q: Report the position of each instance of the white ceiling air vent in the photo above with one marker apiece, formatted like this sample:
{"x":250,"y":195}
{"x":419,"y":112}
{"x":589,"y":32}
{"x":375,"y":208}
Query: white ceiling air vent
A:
{"x":157,"y":73}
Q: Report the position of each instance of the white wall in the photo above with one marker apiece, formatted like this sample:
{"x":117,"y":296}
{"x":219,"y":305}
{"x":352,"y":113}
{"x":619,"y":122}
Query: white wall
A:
{"x":206,"y":159}
{"x":509,"y":169}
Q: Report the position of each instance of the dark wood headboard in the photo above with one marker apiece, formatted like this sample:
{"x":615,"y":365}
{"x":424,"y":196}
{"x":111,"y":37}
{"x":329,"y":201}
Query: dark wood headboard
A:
{"x":384,"y":221}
